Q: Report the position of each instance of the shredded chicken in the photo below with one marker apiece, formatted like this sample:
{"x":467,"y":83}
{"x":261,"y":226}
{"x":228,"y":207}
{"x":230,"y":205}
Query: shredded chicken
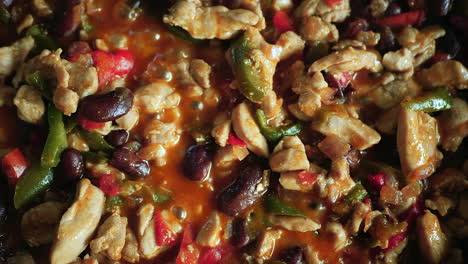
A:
{"x":12,"y":56}
{"x":390,"y":91}
{"x":247,"y":130}
{"x":155,"y":97}
{"x":291,"y":44}
{"x":431,"y":240}
{"x":453,"y":124}
{"x":210,"y":233}
{"x":200,"y":71}
{"x":129,"y":120}
{"x":29,"y":104}
{"x":289,"y":155}
{"x":266,"y":243}
{"x":78,"y":223}
{"x":348,"y":60}
{"x":444,"y":73}
{"x":211,"y":21}
{"x":339,"y":235}
{"x":334,"y":147}
{"x":400,"y":60}
{"x":42,"y":8}
{"x":336,"y":13}
{"x":314,"y":30}
{"x":130,"y":251}
{"x":369,"y":38}
{"x":294,"y":223}
{"x":417,"y":139}
{"x":111,"y":237}
{"x":357,"y":218}
{"x":146,"y":232}
{"x":420,"y":43}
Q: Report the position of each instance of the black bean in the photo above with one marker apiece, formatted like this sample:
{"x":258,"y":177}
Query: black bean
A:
{"x":132,"y":145}
{"x":440,"y":7}
{"x":107,"y":107}
{"x":393,"y":9}
{"x":240,"y":235}
{"x":197,"y":162}
{"x":129,"y":163}
{"x":387,"y":41}
{"x":71,"y":165}
{"x":244,"y":191}
{"x":71,"y":18}
{"x":292,"y":255}
{"x":117,"y":138}
{"x":450,"y":43}
{"x":356,"y":26}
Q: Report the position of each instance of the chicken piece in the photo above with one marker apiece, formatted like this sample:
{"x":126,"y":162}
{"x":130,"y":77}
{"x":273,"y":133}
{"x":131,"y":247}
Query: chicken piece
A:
{"x":314,"y":30}
{"x":210,"y":233}
{"x":29,"y":104}
{"x":294,"y":223}
{"x":420,"y":43}
{"x":130,"y":251}
{"x":348,"y":60}
{"x":221,"y":129}
{"x":166,"y":134}
{"x":266,"y":243}
{"x":340,"y":169}
{"x":256,"y":7}
{"x":227,"y":156}
{"x":12,"y":56}
{"x":387,"y":122}
{"x":38,"y":224}
{"x":129,"y":120}
{"x":86,"y":260}
{"x":246,"y":129}
{"x":187,"y":81}
{"x":7,"y":94}
{"x":21,"y":257}
{"x":111,"y":237}
{"x":281,"y":5}
{"x":357,"y":218}
{"x":417,"y":139}
{"x":339,"y":235}
{"x":311,"y":255}
{"x":338,"y":183}
{"x":346,"y":43}
{"x":146,"y":232}
{"x":444,"y":73}
{"x":334,"y":147}
{"x":439,"y":203}
{"x":75,"y":141}
{"x":27,"y":21}
{"x":66,"y":101}
{"x":154,"y":152}
{"x":335,"y":13}
{"x":390,"y":92}
{"x":453,"y":124}
{"x":211,"y":21}
{"x":400,"y":60}
{"x":432,"y":242}
{"x":289,"y":155}
{"x":292,"y":181}
{"x":155,"y":97}
{"x":42,"y":8}
{"x":200,"y":71}
{"x":78,"y":223}
{"x":369,"y":38}
{"x":350,"y":130}
{"x":377,"y":7}
{"x":449,"y":180}
{"x":291,"y":44}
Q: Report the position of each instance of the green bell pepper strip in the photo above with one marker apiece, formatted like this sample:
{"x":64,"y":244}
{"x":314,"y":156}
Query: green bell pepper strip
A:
{"x":35,"y":181}
{"x":56,"y":139}
{"x":41,"y":38}
{"x":95,"y":141}
{"x":278,"y":207}
{"x":95,"y":157}
{"x":4,"y":14}
{"x":35,"y":80}
{"x":275,"y":134}
{"x":161,"y":197}
{"x":183,"y":34}
{"x":112,"y":201}
{"x":357,"y":193}
{"x":437,"y":100}
{"x":247,"y":74}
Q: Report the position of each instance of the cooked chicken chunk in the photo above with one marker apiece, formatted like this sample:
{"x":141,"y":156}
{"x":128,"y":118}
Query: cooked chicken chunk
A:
{"x":292,"y":181}
{"x":246,"y":129}
{"x":453,"y":125}
{"x":294,"y":223}
{"x":400,"y":60}
{"x":281,"y":5}
{"x":444,"y":73}
{"x":221,"y":129}
{"x":417,"y":139}
{"x":210,"y":233}
{"x":348,"y":60}
{"x":420,"y":43}
{"x":432,"y":241}
{"x":439,"y":203}
{"x":228,"y":155}
{"x":314,"y":30}
{"x":130,"y":251}
{"x":368,"y":38}
{"x":351,"y":130}
{"x":78,"y":223}
{"x":200,"y":71}
{"x":291,"y":44}
{"x":38,"y":224}
{"x":339,"y":235}
{"x":334,"y":147}
{"x":389,"y":92}
{"x":336,"y":13}
{"x":111,"y":237}
{"x":357,"y":218}
{"x":266,"y":243}
{"x":12,"y":56}
{"x":146,"y":232}
{"x":184,"y":77}
{"x":29,"y":104}
{"x":377,"y":7}
{"x":42,"y":8}
{"x":211,"y":21}
{"x":289,"y":155}
{"x":155,"y":97}
{"x":159,"y":132}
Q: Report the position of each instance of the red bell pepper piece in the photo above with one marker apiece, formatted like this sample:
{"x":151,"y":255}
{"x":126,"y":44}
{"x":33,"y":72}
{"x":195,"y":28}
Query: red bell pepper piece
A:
{"x":413,"y":212}
{"x":235,"y":141}
{"x":439,"y":57}
{"x":307,"y":178}
{"x":282,"y":22}
{"x":88,"y":124}
{"x":345,"y":78}
{"x":395,"y":240}
{"x":164,"y":235}
{"x":376,"y":180}
{"x":215,"y":255}
{"x":13,"y":165}
{"x":189,"y":251}
{"x":412,"y":18}
{"x":109,"y":184}
{"x":332,"y":3}
{"x":109,"y":65}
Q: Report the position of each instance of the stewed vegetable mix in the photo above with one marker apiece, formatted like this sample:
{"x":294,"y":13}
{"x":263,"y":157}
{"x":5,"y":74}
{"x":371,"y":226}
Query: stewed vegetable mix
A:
{"x":240,"y":131}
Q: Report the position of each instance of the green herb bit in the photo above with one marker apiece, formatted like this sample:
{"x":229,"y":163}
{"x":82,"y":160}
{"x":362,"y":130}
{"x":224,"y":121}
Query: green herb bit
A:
{"x":56,"y":139}
{"x":5,"y":15}
{"x":437,"y":100}
{"x":278,"y":207}
{"x":357,"y":193}
{"x":34,"y":182}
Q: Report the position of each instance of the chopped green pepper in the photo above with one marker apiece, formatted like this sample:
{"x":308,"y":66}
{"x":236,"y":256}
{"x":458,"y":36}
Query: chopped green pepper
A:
{"x":161,"y":196}
{"x":95,"y":141}
{"x":35,"y":181}
{"x":35,"y":80}
{"x":41,"y":38}
{"x":4,"y":14}
{"x":278,"y":207}
{"x":437,"y":100}
{"x":275,"y":134}
{"x":56,"y":139}
{"x":247,"y":73}
{"x":95,"y":157}
{"x":86,"y":24}
{"x":70,"y":123}
{"x":112,"y":201}
{"x":183,"y":34}
{"x":357,"y":193}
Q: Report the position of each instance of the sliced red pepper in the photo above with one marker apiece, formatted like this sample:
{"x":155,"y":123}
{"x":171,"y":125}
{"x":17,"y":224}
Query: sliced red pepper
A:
{"x":13,"y":165}
{"x":413,"y":212}
{"x":307,"y":178}
{"x":332,"y":3}
{"x":164,"y":235}
{"x":216,"y":255}
{"x":395,"y":240}
{"x":109,"y":184}
{"x":282,"y":22}
{"x":439,"y":57}
{"x":189,"y":251}
{"x":376,"y":180}
{"x":367,"y":201}
{"x":88,"y":124}
{"x":412,"y":18}
{"x":345,"y":78}
{"x":235,"y":141}
{"x":109,"y":65}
